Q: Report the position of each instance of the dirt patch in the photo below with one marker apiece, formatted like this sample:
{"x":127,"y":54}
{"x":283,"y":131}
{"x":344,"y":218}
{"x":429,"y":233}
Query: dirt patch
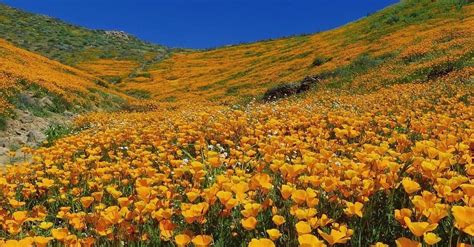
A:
{"x":26,"y":129}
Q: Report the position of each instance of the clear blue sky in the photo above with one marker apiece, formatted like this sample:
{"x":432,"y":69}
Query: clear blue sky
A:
{"x":205,"y":23}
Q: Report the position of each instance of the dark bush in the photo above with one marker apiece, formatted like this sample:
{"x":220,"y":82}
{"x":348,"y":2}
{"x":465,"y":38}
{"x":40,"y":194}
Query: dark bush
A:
{"x":138,"y":93}
{"x":318,"y":61}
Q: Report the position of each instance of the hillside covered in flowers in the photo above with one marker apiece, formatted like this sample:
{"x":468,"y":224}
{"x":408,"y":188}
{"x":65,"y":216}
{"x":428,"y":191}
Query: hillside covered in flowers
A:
{"x":378,"y":152}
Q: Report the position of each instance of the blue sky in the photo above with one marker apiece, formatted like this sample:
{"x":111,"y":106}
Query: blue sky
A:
{"x":205,"y":23}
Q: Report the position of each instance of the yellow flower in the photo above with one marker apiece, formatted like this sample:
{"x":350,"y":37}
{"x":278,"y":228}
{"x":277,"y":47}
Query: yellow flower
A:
{"x":45,"y":225}
{"x":182,"y":240}
{"x":419,"y":228}
{"x":278,"y":220}
{"x":59,"y":234}
{"x":249,"y":223}
{"x":401,"y":214}
{"x":143,"y":193}
{"x":463,"y":219}
{"x":303,"y":227}
{"x":20,"y":216}
{"x":87,"y":201}
{"x":262,"y":242}
{"x":410,"y":186}
{"x":299,"y":196}
{"x":309,"y":240}
{"x":41,"y":241}
{"x":405,"y":242}
{"x":192,"y":196}
{"x":251,"y":209}
{"x":274,"y":234}
{"x":224,"y":196}
{"x":431,"y":238}
{"x":354,"y":209}
{"x":335,"y":237}
{"x":468,"y":189}
{"x":202,"y":240}
{"x":286,"y":191}
{"x":380,"y":244}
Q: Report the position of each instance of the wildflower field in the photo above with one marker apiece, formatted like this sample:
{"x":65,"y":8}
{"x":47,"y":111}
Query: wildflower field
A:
{"x":394,"y":166}
{"x":379,"y":153}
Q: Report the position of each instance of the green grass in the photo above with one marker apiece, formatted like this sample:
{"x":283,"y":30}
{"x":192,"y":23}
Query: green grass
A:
{"x":320,"y":60}
{"x":138,"y":93}
{"x":3,"y":122}
{"x":113,"y":79}
{"x":403,"y":14}
{"x":343,"y":76}
{"x":108,"y":102}
{"x":55,"y":132}
{"x":29,"y":96}
{"x":170,"y":99}
{"x":68,"y":43}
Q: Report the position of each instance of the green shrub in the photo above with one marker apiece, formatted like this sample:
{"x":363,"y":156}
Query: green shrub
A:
{"x":3,"y":122}
{"x":55,"y":132}
{"x":318,"y":61}
{"x":170,"y":99}
{"x":138,"y":93}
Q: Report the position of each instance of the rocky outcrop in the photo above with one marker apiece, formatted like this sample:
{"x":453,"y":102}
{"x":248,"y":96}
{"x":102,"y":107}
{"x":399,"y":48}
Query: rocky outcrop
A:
{"x":118,"y":34}
{"x":26,"y":129}
{"x":288,"y":89}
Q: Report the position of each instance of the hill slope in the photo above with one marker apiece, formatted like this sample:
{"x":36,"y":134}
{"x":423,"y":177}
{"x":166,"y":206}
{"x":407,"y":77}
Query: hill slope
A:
{"x":68,"y":43}
{"x":38,"y":85}
{"x":361,"y":160}
{"x":410,"y":41}
{"x":37,"y":93}
{"x":22,"y":68}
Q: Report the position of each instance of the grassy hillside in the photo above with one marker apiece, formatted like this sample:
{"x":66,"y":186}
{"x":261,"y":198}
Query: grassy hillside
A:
{"x":70,"y":44}
{"x":380,"y":153}
{"x":411,"y":41}
{"x":22,"y":71}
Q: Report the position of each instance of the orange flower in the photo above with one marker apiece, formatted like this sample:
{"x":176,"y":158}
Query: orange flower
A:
{"x":336,"y":236}
{"x":286,"y":191}
{"x":354,"y":209}
{"x":463,"y":219}
{"x":410,"y":186}
{"x":166,"y":229}
{"x":214,"y":161}
{"x":224,"y":196}
{"x":59,"y":234}
{"x":278,"y":220}
{"x":309,"y":240}
{"x":143,"y":193}
{"x":405,"y":242}
{"x":303,"y":227}
{"x":98,"y":196}
{"x":468,"y":189}
{"x":41,"y":241}
{"x":20,"y":216}
{"x":182,"y":240}
{"x":274,"y":234}
{"x":263,"y":181}
{"x":401,"y":214}
{"x":262,"y":242}
{"x":192,"y":196}
{"x":87,"y":201}
{"x":45,"y":225}
{"x":419,"y":228}
{"x":202,"y":240}
{"x":431,"y":238}
{"x":249,"y":223}
{"x":251,"y":209}
{"x":299,"y":196}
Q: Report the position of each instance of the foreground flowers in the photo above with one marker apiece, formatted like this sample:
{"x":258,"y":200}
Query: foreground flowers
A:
{"x":269,"y":175}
